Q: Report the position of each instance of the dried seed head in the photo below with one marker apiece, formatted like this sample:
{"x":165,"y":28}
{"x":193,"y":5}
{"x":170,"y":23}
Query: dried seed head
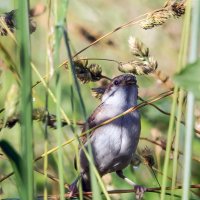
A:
{"x":178,"y":9}
{"x":81,"y":70}
{"x":43,"y":116}
{"x":38,"y":114}
{"x":138,"y":67}
{"x":153,"y":64}
{"x":159,"y":17}
{"x":95,"y":71}
{"x":147,"y":154}
{"x":137,"y":47}
{"x":127,"y":67}
{"x":82,"y":63}
{"x":84,"y":77}
{"x":143,"y":63}
{"x":9,"y":19}
{"x":156,"y":18}
{"x":87,"y":73}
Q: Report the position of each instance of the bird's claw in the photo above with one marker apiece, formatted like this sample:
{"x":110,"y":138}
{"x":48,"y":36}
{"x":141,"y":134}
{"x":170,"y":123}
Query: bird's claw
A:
{"x":73,"y":189}
{"x":139,"y":191}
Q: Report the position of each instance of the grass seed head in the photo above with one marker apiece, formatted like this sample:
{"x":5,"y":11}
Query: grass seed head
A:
{"x":159,"y":17}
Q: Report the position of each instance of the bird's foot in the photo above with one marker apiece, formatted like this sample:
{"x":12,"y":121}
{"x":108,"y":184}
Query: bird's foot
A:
{"x":139,"y":191}
{"x":73,"y":189}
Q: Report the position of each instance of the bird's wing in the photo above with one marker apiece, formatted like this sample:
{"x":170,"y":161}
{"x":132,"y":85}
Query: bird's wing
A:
{"x":95,"y":119}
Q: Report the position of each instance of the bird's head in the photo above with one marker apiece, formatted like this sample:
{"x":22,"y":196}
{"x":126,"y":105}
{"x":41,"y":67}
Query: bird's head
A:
{"x":122,"y":88}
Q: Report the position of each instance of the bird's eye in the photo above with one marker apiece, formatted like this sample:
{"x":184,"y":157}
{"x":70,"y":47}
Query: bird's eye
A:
{"x":116,"y":82}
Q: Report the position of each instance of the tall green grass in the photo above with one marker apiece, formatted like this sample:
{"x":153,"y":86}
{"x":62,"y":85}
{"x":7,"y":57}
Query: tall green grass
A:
{"x":189,"y":30}
{"x":60,"y":11}
{"x":193,"y":56}
{"x":181,"y":62}
{"x":27,"y":142}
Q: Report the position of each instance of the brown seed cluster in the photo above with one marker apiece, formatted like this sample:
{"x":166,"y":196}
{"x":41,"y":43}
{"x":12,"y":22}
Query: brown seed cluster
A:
{"x":144,"y":156}
{"x":9,"y":19}
{"x":159,"y":17}
{"x":87,"y":72}
{"x":147,"y":156}
{"x":37,"y":115}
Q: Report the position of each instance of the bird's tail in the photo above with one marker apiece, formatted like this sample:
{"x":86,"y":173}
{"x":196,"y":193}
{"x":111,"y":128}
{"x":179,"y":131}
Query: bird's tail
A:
{"x":85,"y":181}
{"x":73,"y":189}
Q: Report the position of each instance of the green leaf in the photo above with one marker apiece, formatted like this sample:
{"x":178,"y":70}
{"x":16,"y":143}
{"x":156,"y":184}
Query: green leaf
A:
{"x":189,"y":78}
{"x":16,"y":162}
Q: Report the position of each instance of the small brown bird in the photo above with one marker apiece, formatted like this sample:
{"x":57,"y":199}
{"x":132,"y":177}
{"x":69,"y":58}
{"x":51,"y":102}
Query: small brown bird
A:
{"x":113,"y":144}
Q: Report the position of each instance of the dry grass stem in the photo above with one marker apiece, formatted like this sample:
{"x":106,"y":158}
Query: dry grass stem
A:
{"x":164,"y":79}
{"x":123,"y":191}
{"x":163,"y":146}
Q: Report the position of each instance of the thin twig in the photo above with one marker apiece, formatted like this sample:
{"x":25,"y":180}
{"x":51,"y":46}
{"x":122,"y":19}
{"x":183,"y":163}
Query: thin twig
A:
{"x":166,"y":113}
{"x":130,"y":23}
{"x":51,"y":177}
{"x":105,"y":59}
{"x":164,"y":147}
{"x":6,"y":177}
{"x":103,"y":76}
{"x":124,"y":191}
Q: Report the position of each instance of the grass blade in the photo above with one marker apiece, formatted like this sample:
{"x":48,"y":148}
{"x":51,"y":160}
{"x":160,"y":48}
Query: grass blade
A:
{"x":26,"y":99}
{"x":16,"y":162}
{"x":194,"y":41}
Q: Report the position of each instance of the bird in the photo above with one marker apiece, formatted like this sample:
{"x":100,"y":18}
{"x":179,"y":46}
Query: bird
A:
{"x":114,"y":144}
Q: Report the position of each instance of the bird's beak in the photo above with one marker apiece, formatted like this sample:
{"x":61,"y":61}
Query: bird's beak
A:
{"x":130,"y":82}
